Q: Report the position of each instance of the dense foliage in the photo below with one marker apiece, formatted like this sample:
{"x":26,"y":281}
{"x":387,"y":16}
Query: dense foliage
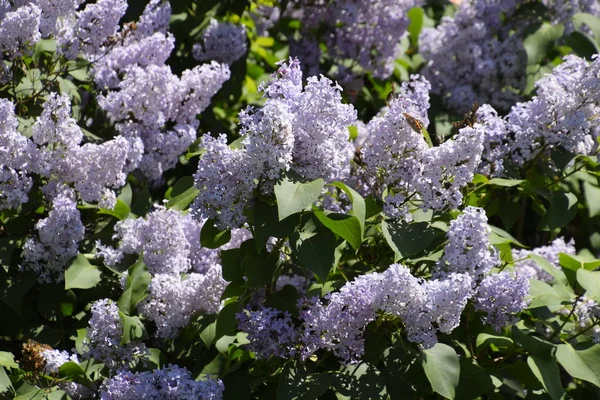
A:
{"x":303,"y":199}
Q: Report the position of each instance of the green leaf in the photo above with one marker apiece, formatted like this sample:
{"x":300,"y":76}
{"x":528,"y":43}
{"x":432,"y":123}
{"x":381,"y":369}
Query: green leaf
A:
{"x":346,"y":226}
{"x":133,"y":329}
{"x":531,"y":343}
{"x":544,"y":295}
{"x":313,"y":247}
{"x":581,"y":21}
{"x":592,"y":198}
{"x":213,"y":238}
{"x":81,"y":274}
{"x":14,"y":289}
{"x":5,"y":382}
{"x":359,"y":381}
{"x":258,"y":268}
{"x":136,"y":287}
{"x":561,"y":283}
{"x":8,"y":360}
{"x":226,"y":320}
{"x":562,"y":210}
{"x":547,"y":372}
{"x":121,"y":210}
{"x":500,"y":236}
{"x":155,"y":357}
{"x":293,"y":197}
{"x":442,"y":367}
{"x":183,"y":200}
{"x":231,"y":265}
{"x":359,"y":208}
{"x":416,"y":24}
{"x":590,"y":281}
{"x":501,"y":182}
{"x":70,"y":369}
{"x":407,"y":239}
{"x":540,"y":43}
{"x":580,"y":364}
{"x":571,"y":263}
{"x":7,"y":246}
{"x":475,"y":381}
{"x":296,"y":383}
{"x":267,"y":224}
{"x":484,"y":340}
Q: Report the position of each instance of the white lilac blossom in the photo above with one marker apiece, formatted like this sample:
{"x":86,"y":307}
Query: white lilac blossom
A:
{"x":304,"y":129}
{"x":588,"y":314}
{"x":95,"y":24}
{"x":103,"y":339}
{"x":171,"y":382}
{"x":562,"y":114}
{"x":225,"y":183}
{"x":148,"y":43}
{"x":563,"y":11}
{"x":397,"y":157}
{"x":495,"y":141}
{"x":368,"y":33}
{"x":149,"y":99}
{"x":449,"y":167}
{"x":57,"y":240}
{"x":16,"y":156}
{"x":500,"y":296}
{"x":148,"y":50}
{"x":53,"y":12}
{"x":223,"y":42}
{"x":392,"y":150}
{"x":19,"y":30}
{"x":173,"y":299}
{"x":475,"y":56}
{"x":339,"y":324}
{"x":468,"y":250}
{"x":56,"y":358}
{"x":162,"y":238}
{"x":154,"y":18}
{"x":425,"y":308}
{"x":299,"y":282}
{"x":93,"y":169}
{"x":530,"y":269}
{"x":271,"y":332}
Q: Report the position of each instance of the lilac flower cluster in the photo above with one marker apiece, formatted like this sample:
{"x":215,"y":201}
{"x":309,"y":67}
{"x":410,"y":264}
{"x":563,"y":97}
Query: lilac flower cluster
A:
{"x":475,"y":57}
{"x":499,"y":296}
{"x":562,"y":113}
{"x":304,"y":129}
{"x":54,"y":360}
{"x":588,"y":315}
{"x":142,"y":116}
{"x":148,"y":43}
{"x":398,"y":157}
{"x":170,"y":244}
{"x":57,"y":240}
{"x":528,"y":268}
{"x":468,"y":250}
{"x":270,"y":332}
{"x":223,"y":42}
{"x":103,"y":340}
{"x":367,"y":33}
{"x":425,"y":307}
{"x":173,"y":299}
{"x":172,"y":382}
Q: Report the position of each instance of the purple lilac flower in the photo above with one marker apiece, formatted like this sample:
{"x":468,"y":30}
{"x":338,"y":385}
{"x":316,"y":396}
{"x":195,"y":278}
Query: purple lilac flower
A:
{"x":500,"y":296}
{"x":172,"y":382}
{"x":271,"y":332}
